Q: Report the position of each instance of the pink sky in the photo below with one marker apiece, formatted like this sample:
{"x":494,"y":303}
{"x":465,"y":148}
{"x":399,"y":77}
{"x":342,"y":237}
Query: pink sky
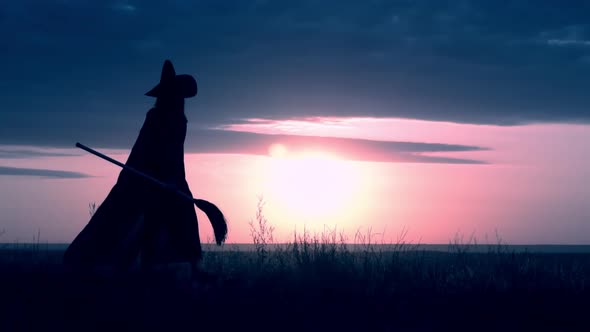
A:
{"x":533,"y":189}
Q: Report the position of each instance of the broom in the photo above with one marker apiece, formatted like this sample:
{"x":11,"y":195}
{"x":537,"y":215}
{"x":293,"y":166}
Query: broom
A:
{"x":215,"y":215}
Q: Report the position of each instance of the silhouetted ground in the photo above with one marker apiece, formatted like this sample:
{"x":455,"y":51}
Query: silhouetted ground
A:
{"x":307,"y":286}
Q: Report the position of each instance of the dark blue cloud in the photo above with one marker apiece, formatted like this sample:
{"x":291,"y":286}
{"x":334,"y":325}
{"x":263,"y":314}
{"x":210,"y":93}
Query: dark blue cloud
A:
{"x":84,"y":65}
{"x":220,"y":141}
{"x":12,"y":153}
{"x":45,"y":173}
{"x":201,"y":140}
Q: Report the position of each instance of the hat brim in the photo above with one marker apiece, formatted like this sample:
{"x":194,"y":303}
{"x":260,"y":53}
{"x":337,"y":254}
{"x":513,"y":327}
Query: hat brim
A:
{"x":184,"y":86}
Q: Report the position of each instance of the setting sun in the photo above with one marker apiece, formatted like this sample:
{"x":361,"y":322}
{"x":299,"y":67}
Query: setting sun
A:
{"x":313,"y":184}
{"x":277,"y":150}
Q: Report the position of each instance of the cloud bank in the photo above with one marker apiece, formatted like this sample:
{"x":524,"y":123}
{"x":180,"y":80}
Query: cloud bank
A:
{"x":460,"y":61}
{"x":220,"y":141}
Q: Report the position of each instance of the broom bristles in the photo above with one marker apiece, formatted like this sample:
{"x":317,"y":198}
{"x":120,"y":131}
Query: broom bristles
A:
{"x":216,"y":218}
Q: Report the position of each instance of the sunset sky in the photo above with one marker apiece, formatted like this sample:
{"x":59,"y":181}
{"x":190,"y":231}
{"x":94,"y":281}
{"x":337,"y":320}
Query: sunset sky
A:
{"x":439,"y":117}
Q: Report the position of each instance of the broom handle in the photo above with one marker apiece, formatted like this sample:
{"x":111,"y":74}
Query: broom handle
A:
{"x":136,"y":172}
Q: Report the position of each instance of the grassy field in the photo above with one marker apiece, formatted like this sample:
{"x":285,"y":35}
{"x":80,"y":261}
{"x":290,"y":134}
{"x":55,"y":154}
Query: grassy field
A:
{"x":308,"y":285}
{"x":313,"y":283}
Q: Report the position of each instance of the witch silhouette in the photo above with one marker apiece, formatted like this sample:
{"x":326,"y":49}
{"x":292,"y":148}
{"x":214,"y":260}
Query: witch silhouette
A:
{"x":139,"y":219}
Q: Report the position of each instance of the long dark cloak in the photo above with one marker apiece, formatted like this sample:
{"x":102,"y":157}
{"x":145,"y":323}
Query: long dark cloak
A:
{"x":137,"y":216}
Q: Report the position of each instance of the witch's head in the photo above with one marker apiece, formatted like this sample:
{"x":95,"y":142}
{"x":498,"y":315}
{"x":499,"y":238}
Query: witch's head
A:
{"x":173,"y":88}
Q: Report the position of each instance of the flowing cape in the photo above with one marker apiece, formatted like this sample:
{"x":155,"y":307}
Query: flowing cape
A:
{"x":137,"y":217}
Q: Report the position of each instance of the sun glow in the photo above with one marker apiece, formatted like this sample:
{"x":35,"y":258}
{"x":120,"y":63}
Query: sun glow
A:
{"x":277,"y":150}
{"x":312,"y":185}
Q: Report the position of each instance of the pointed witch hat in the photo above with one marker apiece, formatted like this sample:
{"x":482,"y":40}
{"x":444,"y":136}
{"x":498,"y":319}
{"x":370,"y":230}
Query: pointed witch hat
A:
{"x":172,"y":85}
